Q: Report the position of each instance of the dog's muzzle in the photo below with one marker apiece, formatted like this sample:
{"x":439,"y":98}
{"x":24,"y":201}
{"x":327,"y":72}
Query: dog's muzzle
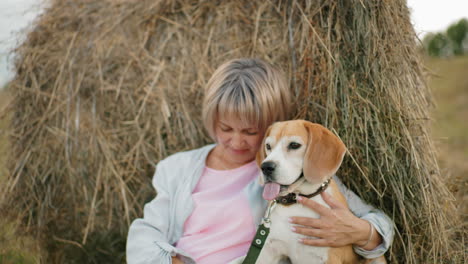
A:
{"x":268,"y":169}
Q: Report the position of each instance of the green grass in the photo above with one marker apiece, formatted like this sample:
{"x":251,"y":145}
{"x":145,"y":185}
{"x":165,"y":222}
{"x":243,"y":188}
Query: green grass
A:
{"x":16,"y":248}
{"x":450,"y":88}
{"x":14,"y":258}
{"x":449,"y":84}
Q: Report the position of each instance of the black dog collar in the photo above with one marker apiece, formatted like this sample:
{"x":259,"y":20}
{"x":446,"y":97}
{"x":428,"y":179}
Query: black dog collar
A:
{"x":290,"y":198}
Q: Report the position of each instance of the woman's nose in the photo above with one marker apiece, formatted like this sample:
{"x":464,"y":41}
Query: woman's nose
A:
{"x":237,"y":140}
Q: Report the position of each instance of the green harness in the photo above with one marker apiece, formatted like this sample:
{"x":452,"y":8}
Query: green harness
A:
{"x":260,"y":237}
{"x":264,"y":228}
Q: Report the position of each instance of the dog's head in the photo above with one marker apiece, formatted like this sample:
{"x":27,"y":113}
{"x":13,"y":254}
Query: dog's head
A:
{"x":297,"y":147}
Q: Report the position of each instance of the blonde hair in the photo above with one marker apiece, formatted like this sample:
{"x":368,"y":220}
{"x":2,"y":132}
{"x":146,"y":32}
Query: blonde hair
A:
{"x":249,"y":89}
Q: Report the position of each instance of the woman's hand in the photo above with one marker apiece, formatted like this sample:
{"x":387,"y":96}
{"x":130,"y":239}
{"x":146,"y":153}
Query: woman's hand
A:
{"x":176,"y":260}
{"x":336,"y":227}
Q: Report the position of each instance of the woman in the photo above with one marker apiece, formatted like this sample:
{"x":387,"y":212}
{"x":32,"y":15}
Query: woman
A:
{"x":209,"y":203}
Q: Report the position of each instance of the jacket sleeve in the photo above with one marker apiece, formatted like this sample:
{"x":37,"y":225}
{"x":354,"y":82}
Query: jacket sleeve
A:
{"x":148,"y":237}
{"x":381,"y":222}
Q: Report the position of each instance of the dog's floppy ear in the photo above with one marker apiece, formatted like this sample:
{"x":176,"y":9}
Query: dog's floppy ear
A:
{"x":261,"y":155}
{"x":324,"y":153}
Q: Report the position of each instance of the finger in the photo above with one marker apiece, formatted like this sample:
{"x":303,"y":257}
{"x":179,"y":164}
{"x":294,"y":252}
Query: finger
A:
{"x":331,"y":201}
{"x":318,"y":208}
{"x":315,"y":242}
{"x":310,"y":232}
{"x":307,"y":222}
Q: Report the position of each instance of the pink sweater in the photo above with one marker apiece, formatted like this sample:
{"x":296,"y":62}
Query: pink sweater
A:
{"x":221,"y":225}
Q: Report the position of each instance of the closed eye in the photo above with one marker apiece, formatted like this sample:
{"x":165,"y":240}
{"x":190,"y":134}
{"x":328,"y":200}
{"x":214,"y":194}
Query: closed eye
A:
{"x":251,"y":132}
{"x":294,"y":145}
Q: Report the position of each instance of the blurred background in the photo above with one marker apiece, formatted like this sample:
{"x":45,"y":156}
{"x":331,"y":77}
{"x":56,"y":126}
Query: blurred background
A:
{"x":441,"y":26}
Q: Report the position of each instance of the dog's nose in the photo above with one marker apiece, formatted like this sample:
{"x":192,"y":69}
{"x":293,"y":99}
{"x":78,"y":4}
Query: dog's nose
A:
{"x":268,"y":168}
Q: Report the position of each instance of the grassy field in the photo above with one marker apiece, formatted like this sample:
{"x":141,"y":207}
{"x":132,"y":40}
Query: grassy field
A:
{"x":449,"y":83}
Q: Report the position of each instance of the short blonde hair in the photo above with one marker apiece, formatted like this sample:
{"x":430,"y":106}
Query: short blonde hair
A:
{"x":249,"y":89}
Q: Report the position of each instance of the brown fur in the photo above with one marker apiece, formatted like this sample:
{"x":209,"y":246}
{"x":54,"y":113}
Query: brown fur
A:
{"x":337,"y":194}
{"x":324,"y":154}
{"x":323,"y":157}
{"x":343,"y":254}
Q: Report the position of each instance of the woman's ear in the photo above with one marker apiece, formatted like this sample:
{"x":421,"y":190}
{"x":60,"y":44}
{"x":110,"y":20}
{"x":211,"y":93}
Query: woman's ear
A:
{"x":261,"y":155}
{"x":324,"y":153}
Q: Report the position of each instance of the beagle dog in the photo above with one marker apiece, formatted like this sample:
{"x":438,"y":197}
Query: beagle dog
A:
{"x":300,"y":158}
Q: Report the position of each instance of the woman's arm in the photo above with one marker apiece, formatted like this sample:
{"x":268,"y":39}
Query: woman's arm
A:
{"x":338,"y":226}
{"x":369,"y":238}
{"x":147,"y":240}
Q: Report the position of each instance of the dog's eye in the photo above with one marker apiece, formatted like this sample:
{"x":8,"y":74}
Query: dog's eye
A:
{"x":267,"y":146}
{"x":294,"y":145}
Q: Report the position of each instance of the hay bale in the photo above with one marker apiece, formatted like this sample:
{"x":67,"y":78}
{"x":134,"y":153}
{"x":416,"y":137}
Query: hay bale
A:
{"x":105,"y":89}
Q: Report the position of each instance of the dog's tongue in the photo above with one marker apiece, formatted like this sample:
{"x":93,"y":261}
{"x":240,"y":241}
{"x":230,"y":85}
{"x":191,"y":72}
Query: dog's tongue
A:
{"x":271,"y":190}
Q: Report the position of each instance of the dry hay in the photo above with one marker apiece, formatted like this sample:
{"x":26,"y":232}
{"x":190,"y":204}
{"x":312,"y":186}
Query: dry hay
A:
{"x":105,"y":89}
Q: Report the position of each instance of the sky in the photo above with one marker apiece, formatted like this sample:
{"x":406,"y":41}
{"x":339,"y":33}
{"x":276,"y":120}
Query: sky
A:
{"x":436,"y":15}
{"x":16,"y":15}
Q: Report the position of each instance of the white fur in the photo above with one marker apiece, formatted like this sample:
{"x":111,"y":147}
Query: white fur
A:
{"x":282,"y":242}
{"x":289,"y":162}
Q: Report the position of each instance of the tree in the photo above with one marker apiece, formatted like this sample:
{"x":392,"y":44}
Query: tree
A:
{"x":450,"y":42}
{"x":456,"y":33}
{"x":438,"y":45}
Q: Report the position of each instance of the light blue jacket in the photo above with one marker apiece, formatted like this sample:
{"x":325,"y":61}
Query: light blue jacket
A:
{"x":151,"y":238}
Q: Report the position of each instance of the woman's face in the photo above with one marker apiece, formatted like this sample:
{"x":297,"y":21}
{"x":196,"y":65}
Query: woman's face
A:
{"x":238,"y":141}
